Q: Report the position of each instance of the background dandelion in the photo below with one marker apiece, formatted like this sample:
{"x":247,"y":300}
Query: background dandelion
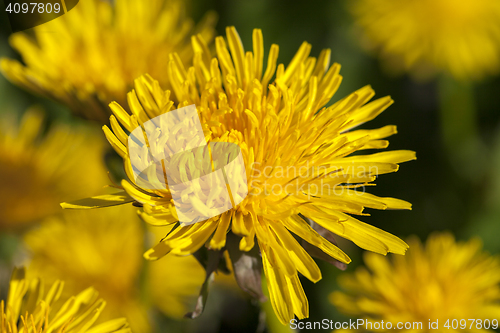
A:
{"x":38,"y":169}
{"x":441,"y":281}
{"x":425,"y":37}
{"x":29,"y":308}
{"x":90,"y":56}
{"x":103,"y":249}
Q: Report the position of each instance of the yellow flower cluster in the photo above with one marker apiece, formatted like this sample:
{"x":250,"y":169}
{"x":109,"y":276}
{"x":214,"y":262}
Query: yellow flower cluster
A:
{"x":305,"y":174}
{"x":28,"y":309}
{"x":277,"y":116}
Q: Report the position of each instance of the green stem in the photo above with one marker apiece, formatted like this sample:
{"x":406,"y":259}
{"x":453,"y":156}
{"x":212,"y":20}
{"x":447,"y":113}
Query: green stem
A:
{"x":458,"y":114}
{"x":9,"y":244}
{"x":459,"y":127}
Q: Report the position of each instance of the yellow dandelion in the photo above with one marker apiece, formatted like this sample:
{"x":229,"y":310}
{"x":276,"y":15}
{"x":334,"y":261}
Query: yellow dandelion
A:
{"x":459,"y":37}
{"x":103,"y":248}
{"x":299,"y":162}
{"x":29,"y":309}
{"x":90,"y":56}
{"x":447,"y":284}
{"x":37,"y":173}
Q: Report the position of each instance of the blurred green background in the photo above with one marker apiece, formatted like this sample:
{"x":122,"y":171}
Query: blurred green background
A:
{"x":453,"y":185}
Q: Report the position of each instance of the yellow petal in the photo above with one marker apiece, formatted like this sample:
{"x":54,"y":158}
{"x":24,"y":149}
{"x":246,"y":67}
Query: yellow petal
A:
{"x":105,"y":200}
{"x":298,"y":297}
{"x":364,"y":235}
{"x":115,"y":143}
{"x":248,"y":242}
{"x":302,"y":260}
{"x":394,"y":156}
{"x":278,"y":292}
{"x":158,"y":251}
{"x":218,"y":241}
{"x":144,"y":197}
{"x":238,"y":225}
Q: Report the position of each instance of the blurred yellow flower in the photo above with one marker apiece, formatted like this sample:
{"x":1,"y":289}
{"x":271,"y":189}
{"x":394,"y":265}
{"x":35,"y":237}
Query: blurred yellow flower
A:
{"x":90,"y":56}
{"x":103,"y":248}
{"x":28,"y":309}
{"x":425,"y":36}
{"x":444,"y":281}
{"x":279,"y":124}
{"x":37,"y":173}
{"x":175,"y":282}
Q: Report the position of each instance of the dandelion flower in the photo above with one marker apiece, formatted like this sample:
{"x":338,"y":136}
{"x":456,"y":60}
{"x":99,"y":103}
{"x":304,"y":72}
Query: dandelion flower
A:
{"x":444,"y":280}
{"x":94,"y":255}
{"x":299,"y":162}
{"x":458,"y":37}
{"x":29,"y":309}
{"x":90,"y":56}
{"x":38,"y":172}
